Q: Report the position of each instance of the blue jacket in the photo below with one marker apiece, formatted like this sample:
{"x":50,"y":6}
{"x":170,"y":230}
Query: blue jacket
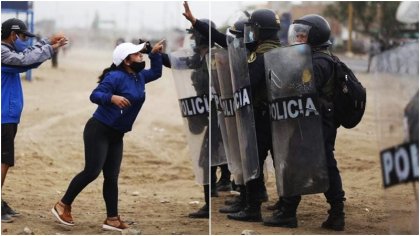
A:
{"x":130,"y":86}
{"x":11,"y":93}
{"x":13,"y":63}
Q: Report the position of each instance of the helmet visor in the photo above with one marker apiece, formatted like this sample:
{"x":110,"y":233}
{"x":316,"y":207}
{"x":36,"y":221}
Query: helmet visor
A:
{"x":229,"y":36}
{"x":250,"y":33}
{"x":298,"y":33}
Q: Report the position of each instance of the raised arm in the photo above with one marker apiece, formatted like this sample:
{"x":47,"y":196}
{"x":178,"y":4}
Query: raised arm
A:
{"x":155,"y":70}
{"x":38,"y":53}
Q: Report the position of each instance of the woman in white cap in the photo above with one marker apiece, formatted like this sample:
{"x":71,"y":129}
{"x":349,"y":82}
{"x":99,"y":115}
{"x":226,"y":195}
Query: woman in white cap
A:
{"x":120,"y":96}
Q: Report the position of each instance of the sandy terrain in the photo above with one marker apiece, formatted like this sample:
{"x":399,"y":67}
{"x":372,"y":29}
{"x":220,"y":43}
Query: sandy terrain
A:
{"x":49,"y":153}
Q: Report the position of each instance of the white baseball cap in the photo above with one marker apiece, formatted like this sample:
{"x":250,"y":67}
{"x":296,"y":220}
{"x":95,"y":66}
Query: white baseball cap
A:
{"x":123,"y":50}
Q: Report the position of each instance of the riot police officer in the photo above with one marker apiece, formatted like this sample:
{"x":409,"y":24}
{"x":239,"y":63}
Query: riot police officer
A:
{"x":238,"y":203}
{"x":201,"y":26}
{"x":315,"y":31}
{"x":200,"y":82}
{"x":260,"y":35}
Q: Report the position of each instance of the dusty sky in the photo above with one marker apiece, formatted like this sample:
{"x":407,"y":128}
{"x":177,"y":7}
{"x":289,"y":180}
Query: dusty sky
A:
{"x":133,"y":14}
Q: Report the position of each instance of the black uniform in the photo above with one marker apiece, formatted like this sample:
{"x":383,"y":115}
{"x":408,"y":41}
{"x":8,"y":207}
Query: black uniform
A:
{"x":323,"y":71}
{"x":203,"y":28}
{"x":286,"y":214}
{"x":265,"y":27}
{"x":216,"y":36}
{"x":255,"y":188}
{"x":199,"y":124}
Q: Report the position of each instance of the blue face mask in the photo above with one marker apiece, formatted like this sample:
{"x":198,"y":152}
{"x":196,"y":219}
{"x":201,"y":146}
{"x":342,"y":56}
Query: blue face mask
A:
{"x":20,"y":45}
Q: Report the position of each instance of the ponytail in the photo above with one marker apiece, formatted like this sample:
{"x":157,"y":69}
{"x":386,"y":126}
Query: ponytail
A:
{"x":106,"y":71}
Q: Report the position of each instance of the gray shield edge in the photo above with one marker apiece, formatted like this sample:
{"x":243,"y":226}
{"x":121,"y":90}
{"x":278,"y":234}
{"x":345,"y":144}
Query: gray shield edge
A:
{"x":298,"y":147}
{"x":245,"y":116}
{"x":196,"y":126}
{"x":234,"y":157}
{"x":219,"y":141}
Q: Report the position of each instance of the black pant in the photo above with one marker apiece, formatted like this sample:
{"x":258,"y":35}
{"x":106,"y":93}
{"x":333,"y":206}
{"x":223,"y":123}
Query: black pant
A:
{"x":335,"y":193}
{"x":225,"y":173}
{"x":255,"y":188}
{"x":213,"y":176}
{"x":103,"y":151}
{"x":8,"y":134}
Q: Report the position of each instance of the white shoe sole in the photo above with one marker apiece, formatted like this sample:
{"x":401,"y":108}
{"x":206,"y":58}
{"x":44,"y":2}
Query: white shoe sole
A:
{"x":108,"y":227}
{"x":55,"y":213}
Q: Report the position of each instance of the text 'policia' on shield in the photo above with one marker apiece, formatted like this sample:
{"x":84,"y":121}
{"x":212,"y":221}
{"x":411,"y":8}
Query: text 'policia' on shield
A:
{"x":400,"y":164}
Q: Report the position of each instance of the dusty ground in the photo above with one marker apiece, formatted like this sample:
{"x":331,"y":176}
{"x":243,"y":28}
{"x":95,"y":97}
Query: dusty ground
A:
{"x":357,"y":153}
{"x":49,"y":153}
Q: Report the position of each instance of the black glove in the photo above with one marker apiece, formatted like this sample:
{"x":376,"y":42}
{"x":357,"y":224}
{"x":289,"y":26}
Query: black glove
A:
{"x":147,"y":48}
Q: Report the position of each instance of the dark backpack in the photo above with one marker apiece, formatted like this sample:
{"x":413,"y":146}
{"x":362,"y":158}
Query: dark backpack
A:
{"x":349,"y":95}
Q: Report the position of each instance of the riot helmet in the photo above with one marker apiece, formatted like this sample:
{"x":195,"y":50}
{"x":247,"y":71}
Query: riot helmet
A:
{"x":312,"y":29}
{"x":262,"y":25}
{"x":198,"y":38}
{"x":238,"y":28}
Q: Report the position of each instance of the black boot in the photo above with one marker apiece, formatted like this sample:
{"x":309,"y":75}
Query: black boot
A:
{"x":203,"y":212}
{"x":235,"y":187}
{"x":234,"y":200}
{"x":224,"y":185}
{"x":252,"y":213}
{"x":335,"y":219}
{"x":238,"y":205}
{"x":282,"y":218}
{"x":274,"y":207}
{"x":285,"y":216}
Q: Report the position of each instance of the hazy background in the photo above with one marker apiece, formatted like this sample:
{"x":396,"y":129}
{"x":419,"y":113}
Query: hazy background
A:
{"x":102,"y":23}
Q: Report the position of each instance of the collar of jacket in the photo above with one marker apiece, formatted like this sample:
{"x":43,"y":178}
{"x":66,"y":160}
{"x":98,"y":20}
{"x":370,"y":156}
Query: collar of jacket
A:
{"x":321,"y":50}
{"x":263,"y":48}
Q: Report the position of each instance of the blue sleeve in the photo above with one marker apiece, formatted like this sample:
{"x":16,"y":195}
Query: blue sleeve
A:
{"x":31,"y":55}
{"x":18,"y":69}
{"x":155,"y":71}
{"x":102,"y":94}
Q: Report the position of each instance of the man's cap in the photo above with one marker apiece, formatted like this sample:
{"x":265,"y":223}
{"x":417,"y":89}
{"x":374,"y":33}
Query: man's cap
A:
{"x":123,"y":50}
{"x":16,"y":25}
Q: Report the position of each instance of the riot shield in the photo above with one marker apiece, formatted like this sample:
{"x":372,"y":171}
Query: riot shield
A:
{"x":245,"y":121}
{"x":227,"y":104}
{"x":395,"y":90}
{"x":298,"y":146}
{"x":219,"y":141}
{"x":192,"y":84}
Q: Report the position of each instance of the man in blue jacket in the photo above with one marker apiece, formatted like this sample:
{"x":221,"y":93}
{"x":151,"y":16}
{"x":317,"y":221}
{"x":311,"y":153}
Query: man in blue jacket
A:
{"x":15,"y":60}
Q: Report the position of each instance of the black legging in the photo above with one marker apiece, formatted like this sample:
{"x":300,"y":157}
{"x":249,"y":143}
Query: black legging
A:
{"x":103,"y":151}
